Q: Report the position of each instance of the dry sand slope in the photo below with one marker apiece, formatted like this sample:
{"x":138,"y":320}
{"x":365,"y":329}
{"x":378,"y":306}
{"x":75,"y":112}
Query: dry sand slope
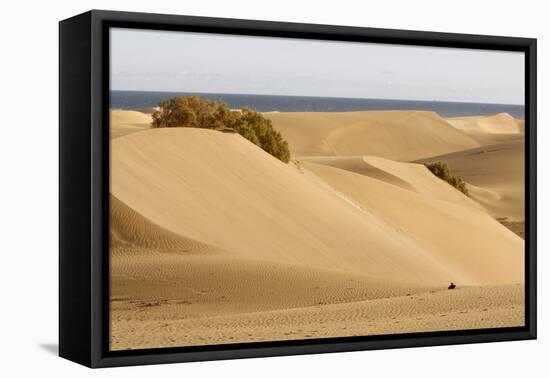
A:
{"x":494,"y":172}
{"x":460,"y":236}
{"x":495,"y":175}
{"x":215,"y":241}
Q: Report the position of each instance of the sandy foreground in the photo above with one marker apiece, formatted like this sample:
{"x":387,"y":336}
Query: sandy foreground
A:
{"x":214,"y":241}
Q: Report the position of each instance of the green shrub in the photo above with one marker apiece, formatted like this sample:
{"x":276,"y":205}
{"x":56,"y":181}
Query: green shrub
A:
{"x":192,"y":111}
{"x":441,"y":170}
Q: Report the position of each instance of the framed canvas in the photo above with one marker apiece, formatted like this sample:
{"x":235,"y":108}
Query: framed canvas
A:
{"x":235,"y":188}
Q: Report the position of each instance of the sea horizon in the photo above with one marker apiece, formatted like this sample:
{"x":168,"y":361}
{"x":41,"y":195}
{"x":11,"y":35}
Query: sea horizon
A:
{"x":132,"y":99}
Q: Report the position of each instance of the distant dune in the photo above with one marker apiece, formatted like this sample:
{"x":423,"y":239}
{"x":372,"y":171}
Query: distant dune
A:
{"x":215,"y":241}
{"x":397,"y":135}
{"x":490,"y":129}
{"x":125,"y":122}
{"x":502,"y":123}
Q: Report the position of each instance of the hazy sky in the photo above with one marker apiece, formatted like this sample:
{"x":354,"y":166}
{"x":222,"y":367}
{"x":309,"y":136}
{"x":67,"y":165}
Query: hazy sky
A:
{"x":193,"y":62}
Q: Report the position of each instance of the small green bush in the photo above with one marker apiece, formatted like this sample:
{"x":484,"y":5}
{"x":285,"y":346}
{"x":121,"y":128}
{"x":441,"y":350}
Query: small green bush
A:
{"x":441,"y":170}
{"x":192,"y":111}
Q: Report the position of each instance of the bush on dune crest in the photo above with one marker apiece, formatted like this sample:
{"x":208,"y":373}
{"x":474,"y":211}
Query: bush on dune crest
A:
{"x":192,"y":111}
{"x":441,"y":170}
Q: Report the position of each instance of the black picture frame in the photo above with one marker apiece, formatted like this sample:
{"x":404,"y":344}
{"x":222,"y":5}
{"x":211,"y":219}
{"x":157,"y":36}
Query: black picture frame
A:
{"x":84,"y":187}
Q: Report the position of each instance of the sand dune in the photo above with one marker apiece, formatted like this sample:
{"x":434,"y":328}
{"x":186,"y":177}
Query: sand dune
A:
{"x":136,"y":243}
{"x":410,"y":176}
{"x":215,"y":241}
{"x":125,"y":122}
{"x":502,"y":123}
{"x":203,"y":285}
{"x":360,"y":165}
{"x":490,"y":129}
{"x":494,"y":172}
{"x":264,"y":209}
{"x":495,"y":176}
{"x":397,"y":135}
{"x":130,"y":231}
{"x":461,"y":236}
{"x":173,"y":279}
{"x":222,"y":190}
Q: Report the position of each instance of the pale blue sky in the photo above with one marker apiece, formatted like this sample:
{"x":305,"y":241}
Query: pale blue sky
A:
{"x":212,"y":63}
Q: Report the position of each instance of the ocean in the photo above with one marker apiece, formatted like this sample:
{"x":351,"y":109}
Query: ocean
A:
{"x":266,"y":103}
